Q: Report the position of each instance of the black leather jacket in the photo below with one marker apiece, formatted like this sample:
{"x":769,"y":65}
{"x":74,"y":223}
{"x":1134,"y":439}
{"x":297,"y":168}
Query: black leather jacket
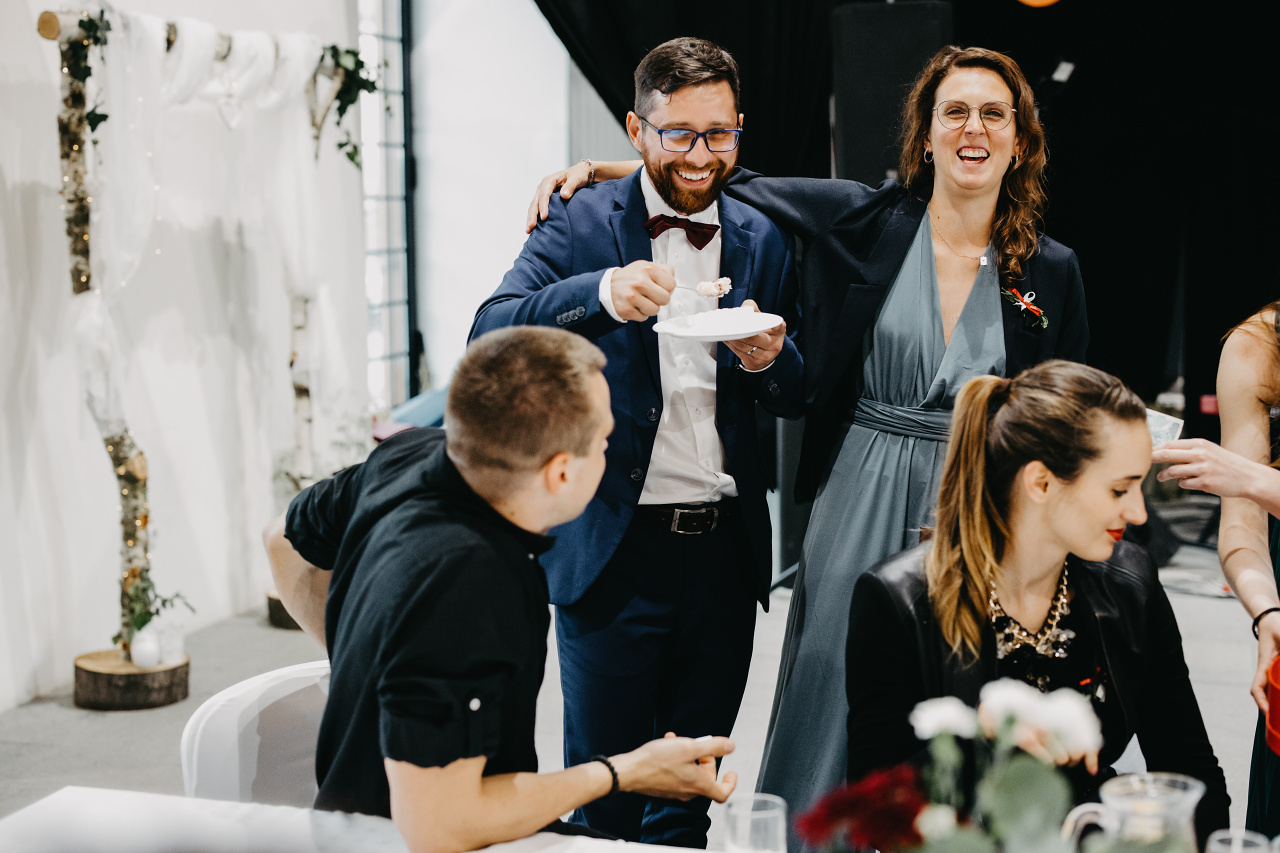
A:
{"x":896,"y":657}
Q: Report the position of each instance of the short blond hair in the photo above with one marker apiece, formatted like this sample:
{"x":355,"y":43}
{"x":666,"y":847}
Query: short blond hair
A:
{"x":520,"y":396}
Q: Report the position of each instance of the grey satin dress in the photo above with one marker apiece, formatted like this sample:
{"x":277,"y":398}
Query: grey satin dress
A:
{"x":882,"y":488}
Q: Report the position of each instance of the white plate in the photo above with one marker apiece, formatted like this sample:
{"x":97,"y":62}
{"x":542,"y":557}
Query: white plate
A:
{"x":722,"y":324}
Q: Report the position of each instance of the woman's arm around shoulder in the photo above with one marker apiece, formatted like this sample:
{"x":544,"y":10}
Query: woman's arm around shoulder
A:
{"x":807,"y":207}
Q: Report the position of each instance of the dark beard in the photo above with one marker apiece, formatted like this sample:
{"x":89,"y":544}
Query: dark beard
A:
{"x":687,"y":202}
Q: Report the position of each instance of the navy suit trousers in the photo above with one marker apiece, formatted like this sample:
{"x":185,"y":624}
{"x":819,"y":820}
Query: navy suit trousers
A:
{"x":660,"y":642}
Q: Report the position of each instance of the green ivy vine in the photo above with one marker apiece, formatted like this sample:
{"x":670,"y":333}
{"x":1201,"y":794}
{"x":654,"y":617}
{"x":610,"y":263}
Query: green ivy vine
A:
{"x":356,"y":78}
{"x":75,"y":58}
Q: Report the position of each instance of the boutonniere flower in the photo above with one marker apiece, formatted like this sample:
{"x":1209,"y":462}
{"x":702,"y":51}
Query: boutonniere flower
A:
{"x":1026,"y":303}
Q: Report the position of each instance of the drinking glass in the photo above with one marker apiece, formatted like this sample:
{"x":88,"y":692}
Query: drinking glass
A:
{"x":756,"y":823}
{"x":1236,"y":840}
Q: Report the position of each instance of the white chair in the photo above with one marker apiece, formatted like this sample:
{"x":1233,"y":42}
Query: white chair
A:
{"x":255,"y":742}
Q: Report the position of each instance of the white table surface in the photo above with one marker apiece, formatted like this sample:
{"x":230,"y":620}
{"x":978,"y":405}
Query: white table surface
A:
{"x":104,"y":820}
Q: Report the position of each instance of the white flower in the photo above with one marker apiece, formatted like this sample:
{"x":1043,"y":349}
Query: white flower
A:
{"x":1000,"y":700}
{"x":1063,"y":715}
{"x":947,"y":714}
{"x":936,"y":821}
{"x":1069,"y":717}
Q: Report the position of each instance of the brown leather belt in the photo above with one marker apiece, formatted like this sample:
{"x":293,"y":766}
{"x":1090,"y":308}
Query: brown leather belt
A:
{"x":686,"y":519}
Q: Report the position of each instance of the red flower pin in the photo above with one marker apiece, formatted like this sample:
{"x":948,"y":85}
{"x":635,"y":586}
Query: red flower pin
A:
{"x":1025,"y":303}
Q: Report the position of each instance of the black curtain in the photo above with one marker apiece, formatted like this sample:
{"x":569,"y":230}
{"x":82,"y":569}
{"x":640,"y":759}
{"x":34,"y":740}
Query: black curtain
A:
{"x":1157,"y":176}
{"x":1160,"y":166}
{"x":783,"y":50}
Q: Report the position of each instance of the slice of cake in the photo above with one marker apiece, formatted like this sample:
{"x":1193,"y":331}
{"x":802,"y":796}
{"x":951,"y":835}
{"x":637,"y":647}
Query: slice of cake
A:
{"x":715,"y":289}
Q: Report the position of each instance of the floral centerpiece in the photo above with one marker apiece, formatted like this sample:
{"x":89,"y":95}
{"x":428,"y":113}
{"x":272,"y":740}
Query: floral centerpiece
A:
{"x":1018,"y":801}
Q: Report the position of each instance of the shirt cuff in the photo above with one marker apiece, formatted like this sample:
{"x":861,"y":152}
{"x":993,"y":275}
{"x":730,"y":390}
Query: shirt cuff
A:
{"x":746,"y":369}
{"x":606,"y":294}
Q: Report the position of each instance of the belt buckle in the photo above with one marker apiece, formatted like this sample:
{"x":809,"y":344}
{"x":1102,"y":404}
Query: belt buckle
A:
{"x":677,"y":511}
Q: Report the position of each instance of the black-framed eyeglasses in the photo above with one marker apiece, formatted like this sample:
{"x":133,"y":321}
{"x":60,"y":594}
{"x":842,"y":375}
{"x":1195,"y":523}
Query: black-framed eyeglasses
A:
{"x":678,"y":140}
{"x":994,"y":115}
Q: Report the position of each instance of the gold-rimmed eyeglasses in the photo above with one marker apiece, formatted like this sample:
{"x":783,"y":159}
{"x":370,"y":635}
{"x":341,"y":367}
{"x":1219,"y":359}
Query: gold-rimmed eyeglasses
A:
{"x":994,"y":115}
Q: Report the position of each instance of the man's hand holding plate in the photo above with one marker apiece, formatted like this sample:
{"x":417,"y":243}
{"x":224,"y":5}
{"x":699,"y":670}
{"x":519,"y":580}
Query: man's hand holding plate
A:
{"x":758,"y":351}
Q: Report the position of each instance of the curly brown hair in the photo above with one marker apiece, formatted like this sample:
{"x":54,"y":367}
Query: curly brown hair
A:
{"x":1022,"y":195}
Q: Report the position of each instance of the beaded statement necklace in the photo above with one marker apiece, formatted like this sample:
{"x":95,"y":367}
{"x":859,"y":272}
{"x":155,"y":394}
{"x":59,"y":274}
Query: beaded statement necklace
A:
{"x":1050,"y":641}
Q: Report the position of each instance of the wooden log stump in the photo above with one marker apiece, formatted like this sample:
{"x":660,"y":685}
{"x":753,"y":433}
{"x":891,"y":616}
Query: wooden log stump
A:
{"x":277,"y":615}
{"x":105,"y":681}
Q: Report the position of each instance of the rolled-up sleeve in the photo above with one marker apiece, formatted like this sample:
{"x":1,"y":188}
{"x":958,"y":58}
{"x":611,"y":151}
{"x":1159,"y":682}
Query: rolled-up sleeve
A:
{"x":317,"y":518}
{"x":431,"y":722}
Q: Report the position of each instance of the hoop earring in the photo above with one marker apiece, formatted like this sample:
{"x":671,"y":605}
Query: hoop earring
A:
{"x":1014,"y":164}
{"x":928,"y":156}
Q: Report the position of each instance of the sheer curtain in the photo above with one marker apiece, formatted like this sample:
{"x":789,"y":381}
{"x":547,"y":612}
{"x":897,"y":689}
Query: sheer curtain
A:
{"x":220,"y":225}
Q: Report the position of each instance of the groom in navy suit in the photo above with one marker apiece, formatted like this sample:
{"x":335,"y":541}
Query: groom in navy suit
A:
{"x":656,"y":584}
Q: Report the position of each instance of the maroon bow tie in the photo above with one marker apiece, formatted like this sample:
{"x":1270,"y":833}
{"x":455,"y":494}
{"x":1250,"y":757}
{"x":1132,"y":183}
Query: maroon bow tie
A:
{"x":699,"y":233}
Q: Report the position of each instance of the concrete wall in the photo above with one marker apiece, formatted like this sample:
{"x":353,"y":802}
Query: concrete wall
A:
{"x":490,"y":107}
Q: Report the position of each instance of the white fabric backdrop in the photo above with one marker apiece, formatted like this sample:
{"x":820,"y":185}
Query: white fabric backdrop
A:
{"x":203,"y":327}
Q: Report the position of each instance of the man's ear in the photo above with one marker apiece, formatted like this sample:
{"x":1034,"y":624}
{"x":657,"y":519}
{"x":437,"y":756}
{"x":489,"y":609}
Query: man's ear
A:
{"x":739,"y":119}
{"x":634,"y":129}
{"x":1036,"y":481}
{"x":556,"y":474}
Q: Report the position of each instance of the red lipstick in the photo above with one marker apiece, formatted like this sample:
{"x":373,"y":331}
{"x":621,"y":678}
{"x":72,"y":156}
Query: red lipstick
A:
{"x":1117,"y":535}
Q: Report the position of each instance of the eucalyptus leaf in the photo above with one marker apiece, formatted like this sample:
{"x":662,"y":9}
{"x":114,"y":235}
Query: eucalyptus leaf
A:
{"x":141,"y":619}
{"x":1024,"y":802}
{"x":94,"y":118}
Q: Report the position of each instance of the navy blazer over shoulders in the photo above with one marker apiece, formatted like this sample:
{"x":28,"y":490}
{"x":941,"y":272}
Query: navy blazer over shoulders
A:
{"x":855,"y":238}
{"x":555,"y":282}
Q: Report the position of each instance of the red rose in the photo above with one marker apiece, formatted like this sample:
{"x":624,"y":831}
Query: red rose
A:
{"x":878,"y":812}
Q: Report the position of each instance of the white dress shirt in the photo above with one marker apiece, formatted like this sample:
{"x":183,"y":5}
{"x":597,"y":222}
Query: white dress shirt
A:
{"x":688,"y":458}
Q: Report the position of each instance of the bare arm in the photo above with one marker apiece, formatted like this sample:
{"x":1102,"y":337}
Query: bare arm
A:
{"x":455,"y":808}
{"x":303,"y":588}
{"x":1242,"y":537}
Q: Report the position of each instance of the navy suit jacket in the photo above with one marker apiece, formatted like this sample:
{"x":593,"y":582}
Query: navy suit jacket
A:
{"x":556,"y":282}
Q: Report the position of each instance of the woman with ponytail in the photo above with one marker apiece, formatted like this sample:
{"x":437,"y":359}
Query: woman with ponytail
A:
{"x":1026,"y":577}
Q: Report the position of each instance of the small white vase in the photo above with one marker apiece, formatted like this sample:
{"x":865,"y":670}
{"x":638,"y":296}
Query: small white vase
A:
{"x":145,"y":648}
{"x":172,"y":642}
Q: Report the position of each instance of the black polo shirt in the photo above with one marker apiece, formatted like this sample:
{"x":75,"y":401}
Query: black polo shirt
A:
{"x":436,"y":622}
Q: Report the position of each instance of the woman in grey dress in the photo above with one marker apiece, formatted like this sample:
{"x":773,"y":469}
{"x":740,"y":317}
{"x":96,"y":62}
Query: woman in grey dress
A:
{"x":900,"y":308}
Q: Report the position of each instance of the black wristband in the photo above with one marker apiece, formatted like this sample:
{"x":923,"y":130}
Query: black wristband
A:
{"x":614,"y":773}
{"x":1258,"y":619}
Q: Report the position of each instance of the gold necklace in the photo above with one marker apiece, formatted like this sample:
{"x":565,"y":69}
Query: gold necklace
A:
{"x":981,"y":259}
{"x":1050,"y":641}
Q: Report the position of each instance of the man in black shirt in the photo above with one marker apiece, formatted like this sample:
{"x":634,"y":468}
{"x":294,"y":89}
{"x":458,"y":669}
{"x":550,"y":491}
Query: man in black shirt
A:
{"x":437,"y":608}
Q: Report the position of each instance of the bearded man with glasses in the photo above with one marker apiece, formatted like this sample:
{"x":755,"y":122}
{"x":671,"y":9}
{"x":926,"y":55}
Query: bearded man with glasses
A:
{"x":655,"y":584}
